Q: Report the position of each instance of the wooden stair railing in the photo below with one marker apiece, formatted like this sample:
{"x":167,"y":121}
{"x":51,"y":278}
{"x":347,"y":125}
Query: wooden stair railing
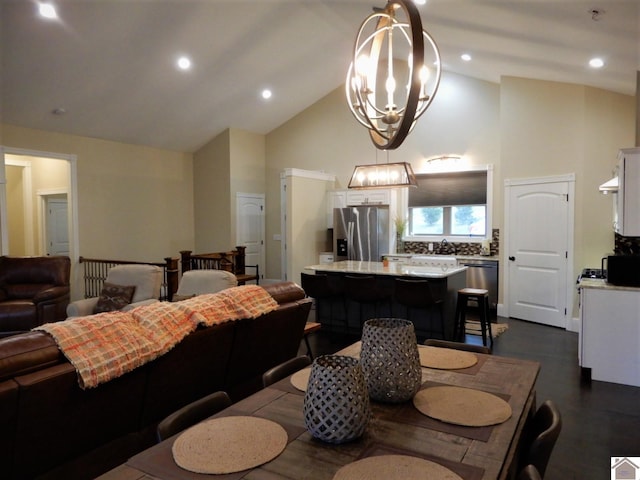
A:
{"x":95,"y":273}
{"x":232,"y":261}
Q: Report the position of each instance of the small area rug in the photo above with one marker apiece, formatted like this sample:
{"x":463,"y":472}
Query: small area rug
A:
{"x":497,"y":329}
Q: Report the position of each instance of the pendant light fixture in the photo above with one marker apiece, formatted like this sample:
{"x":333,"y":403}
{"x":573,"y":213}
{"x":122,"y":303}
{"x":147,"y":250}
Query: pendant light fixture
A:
{"x":390,"y":52}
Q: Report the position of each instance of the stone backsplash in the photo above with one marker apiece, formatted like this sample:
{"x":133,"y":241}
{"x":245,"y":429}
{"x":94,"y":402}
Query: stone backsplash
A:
{"x":454,"y":248}
{"x":626,"y":245}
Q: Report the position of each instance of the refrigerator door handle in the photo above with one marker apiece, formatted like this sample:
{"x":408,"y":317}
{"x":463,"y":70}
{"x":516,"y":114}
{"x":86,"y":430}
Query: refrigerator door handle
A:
{"x":350,"y":254}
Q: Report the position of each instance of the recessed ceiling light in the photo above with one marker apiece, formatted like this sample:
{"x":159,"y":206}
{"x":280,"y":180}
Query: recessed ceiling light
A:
{"x":466,"y":57}
{"x":266,"y":94}
{"x":419,"y":2}
{"x":47,"y":10}
{"x":596,"y":63}
{"x":184,"y":63}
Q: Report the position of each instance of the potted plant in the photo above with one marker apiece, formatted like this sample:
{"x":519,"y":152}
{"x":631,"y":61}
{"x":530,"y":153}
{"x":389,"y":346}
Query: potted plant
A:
{"x":401,"y":226}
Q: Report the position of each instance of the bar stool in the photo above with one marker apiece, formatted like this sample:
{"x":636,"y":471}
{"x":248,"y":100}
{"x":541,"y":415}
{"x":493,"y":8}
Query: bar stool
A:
{"x":318,"y":287}
{"x":417,"y":295}
{"x":481,"y":297}
{"x":363,"y":290}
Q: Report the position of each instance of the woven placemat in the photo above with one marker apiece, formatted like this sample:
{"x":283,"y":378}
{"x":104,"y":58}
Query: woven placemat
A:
{"x":229,"y":444}
{"x":394,"y":467}
{"x":300,"y":379}
{"x":462,"y":406}
{"x":445,"y":358}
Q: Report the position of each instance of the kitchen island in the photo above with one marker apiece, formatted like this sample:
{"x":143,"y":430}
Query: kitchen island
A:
{"x":341,"y":315}
{"x":609,"y":334}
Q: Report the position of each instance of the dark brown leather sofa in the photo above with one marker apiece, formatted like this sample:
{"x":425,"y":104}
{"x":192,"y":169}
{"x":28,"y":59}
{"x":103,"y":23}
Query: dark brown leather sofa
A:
{"x":50,"y":428}
{"x":33,"y":291}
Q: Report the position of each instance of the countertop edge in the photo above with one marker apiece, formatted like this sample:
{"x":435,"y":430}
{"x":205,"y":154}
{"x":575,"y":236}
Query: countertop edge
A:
{"x":601,"y":284}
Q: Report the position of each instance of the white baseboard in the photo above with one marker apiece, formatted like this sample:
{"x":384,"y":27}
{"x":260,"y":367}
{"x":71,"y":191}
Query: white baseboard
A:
{"x":573,"y":324}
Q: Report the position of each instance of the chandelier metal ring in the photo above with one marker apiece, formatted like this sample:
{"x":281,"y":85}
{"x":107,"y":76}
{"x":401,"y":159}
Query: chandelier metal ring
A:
{"x":390,"y":124}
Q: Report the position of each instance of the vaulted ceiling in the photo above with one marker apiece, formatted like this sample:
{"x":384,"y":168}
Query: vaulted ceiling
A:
{"x":110,"y":64}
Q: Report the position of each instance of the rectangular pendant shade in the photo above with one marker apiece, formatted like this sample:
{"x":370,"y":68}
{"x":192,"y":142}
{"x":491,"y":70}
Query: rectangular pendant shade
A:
{"x":383,"y":175}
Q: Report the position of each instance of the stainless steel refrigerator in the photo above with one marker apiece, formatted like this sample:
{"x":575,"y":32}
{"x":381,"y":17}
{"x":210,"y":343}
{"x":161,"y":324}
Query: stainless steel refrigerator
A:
{"x":360,"y":233}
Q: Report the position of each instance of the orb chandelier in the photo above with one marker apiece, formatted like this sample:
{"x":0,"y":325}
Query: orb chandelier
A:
{"x":390,"y":50}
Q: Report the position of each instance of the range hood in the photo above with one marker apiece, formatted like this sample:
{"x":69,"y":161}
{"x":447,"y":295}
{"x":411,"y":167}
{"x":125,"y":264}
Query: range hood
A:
{"x":611,"y":186}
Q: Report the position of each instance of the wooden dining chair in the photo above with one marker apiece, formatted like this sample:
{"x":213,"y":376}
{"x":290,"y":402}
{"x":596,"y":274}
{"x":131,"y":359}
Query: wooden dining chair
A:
{"x":530,"y":472}
{"x":285,"y":369}
{"x":540,"y":437}
{"x":191,"y":414}
{"x":467,"y":347}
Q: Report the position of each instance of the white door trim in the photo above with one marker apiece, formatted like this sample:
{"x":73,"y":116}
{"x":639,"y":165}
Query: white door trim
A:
{"x":27,"y":189}
{"x":570,"y":179}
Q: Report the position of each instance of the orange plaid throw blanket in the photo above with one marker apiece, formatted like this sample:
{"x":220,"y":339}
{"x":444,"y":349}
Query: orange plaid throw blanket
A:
{"x":107,"y":345}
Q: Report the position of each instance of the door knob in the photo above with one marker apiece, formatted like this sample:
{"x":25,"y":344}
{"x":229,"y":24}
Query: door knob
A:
{"x":512,"y":258}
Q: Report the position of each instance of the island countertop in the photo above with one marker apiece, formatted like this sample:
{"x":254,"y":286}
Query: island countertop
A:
{"x":393,"y":269}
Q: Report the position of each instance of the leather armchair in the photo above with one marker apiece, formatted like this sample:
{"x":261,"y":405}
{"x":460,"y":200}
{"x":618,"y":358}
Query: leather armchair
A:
{"x":33,"y":291}
{"x":146,"y":278}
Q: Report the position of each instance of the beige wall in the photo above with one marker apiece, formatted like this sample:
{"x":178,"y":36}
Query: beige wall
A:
{"x":212,"y":191}
{"x":135,"y":202}
{"x":231,"y":163}
{"x":248,"y":164}
{"x":306,"y":219}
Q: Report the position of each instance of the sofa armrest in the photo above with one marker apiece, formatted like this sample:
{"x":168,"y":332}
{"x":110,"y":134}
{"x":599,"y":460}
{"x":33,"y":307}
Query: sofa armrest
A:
{"x":285,"y":292}
{"x":81,"y":308}
{"x":51,"y":294}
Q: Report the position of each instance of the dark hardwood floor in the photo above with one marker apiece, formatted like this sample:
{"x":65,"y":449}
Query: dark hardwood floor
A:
{"x":600,"y":420}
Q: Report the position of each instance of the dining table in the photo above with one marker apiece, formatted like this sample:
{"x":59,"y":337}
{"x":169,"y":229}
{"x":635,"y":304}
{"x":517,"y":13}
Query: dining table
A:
{"x":471,"y":452}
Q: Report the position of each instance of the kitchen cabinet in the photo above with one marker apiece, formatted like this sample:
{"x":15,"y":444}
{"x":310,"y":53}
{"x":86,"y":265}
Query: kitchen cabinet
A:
{"x":368,"y":197}
{"x":626,"y":217}
{"x":609,"y":334}
{"x":355,"y":198}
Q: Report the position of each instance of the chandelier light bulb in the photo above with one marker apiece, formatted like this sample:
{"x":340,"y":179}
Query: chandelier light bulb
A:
{"x":362,"y":65}
{"x":390,"y":85}
{"x":424,"y":74}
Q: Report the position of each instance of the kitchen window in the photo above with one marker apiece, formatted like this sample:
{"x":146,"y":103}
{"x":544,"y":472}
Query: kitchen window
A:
{"x":451,"y":204}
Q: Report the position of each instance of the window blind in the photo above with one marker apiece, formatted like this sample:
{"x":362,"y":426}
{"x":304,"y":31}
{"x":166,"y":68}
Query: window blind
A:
{"x":451,"y":188}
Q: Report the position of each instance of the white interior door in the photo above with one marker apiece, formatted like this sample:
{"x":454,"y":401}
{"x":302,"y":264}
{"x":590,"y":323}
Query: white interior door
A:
{"x":57,"y":226}
{"x":250,"y":228}
{"x":538,"y":232}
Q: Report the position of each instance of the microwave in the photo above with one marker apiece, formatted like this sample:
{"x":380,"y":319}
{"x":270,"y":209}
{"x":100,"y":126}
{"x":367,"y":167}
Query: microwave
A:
{"x":623,"y":270}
